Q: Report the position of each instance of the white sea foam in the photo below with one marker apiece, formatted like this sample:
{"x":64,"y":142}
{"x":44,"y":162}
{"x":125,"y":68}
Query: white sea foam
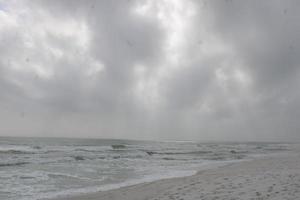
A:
{"x":130,"y":182}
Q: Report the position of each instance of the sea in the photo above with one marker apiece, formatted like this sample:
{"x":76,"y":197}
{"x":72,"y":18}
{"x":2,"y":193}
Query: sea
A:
{"x":47,"y":168}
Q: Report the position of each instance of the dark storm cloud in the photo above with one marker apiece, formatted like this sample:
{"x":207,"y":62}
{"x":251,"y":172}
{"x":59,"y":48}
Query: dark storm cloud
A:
{"x":120,"y":41}
{"x":152,"y":69}
{"x":265,"y":36}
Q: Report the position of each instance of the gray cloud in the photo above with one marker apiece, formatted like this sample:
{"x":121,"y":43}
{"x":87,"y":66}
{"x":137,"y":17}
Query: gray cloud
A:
{"x":199,"y":70}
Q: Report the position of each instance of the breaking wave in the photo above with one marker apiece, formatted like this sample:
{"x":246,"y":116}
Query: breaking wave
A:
{"x":13,"y":164}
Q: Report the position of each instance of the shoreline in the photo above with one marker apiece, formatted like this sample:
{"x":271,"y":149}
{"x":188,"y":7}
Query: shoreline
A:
{"x":246,"y":179}
{"x":132,"y":183}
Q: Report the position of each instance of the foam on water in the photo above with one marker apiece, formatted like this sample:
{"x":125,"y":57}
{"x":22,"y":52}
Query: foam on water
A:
{"x":130,"y":182}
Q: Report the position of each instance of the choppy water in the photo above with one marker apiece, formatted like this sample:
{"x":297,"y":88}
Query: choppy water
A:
{"x":35,"y":168}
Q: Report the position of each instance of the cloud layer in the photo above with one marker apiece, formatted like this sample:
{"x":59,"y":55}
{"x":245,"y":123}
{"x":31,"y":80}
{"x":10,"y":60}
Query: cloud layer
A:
{"x":200,"y":70}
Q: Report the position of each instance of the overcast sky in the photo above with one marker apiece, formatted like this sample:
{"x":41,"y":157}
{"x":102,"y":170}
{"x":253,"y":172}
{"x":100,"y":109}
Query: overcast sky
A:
{"x":150,"y":69}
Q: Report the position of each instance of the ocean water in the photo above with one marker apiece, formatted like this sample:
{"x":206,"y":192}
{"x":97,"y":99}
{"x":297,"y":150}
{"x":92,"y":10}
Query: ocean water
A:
{"x":40,"y":168}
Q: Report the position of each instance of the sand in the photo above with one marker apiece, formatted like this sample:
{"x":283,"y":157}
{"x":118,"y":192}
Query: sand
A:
{"x":275,"y":177}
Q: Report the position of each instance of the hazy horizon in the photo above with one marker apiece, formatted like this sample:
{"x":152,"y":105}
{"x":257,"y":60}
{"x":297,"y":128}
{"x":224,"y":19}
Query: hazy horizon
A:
{"x":224,"y":141}
{"x":220,"y":70}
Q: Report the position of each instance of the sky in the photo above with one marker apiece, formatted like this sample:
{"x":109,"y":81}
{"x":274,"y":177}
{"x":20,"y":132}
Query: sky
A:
{"x":150,"y":69}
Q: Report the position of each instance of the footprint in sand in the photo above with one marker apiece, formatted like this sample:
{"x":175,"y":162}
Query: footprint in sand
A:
{"x":270,"y":189}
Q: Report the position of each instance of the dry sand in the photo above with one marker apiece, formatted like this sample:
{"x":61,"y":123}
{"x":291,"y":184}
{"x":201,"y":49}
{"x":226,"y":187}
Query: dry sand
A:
{"x":276,"y":177}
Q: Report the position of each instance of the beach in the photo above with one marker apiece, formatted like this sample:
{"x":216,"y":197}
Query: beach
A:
{"x":275,"y":177}
{"x":149,"y":100}
{"x":49,"y":168}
